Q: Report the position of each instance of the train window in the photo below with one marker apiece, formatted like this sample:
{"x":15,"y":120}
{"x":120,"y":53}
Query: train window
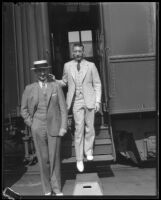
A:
{"x":86,"y":38}
{"x":81,"y":36}
{"x":73,"y":36}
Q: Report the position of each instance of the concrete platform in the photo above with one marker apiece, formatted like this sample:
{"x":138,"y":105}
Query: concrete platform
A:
{"x":116,"y":179}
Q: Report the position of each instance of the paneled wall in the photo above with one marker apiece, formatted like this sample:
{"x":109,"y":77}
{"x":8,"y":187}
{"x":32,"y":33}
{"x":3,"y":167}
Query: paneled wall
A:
{"x":25,"y":39}
{"x":10,"y":79}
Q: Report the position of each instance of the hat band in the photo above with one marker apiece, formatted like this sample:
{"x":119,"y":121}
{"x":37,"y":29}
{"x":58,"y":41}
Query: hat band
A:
{"x":40,"y":67}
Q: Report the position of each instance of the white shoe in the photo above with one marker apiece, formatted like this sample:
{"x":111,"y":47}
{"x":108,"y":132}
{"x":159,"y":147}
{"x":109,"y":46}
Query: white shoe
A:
{"x":90,"y":157}
{"x":48,"y":194}
{"x":59,"y":194}
{"x":80,"y":166}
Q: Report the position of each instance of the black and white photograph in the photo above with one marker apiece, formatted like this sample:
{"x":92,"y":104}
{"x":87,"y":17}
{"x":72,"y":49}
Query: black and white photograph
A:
{"x":80,"y":100}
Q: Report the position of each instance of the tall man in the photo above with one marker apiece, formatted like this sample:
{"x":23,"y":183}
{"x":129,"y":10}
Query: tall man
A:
{"x":43,"y":108}
{"x":84,"y":95}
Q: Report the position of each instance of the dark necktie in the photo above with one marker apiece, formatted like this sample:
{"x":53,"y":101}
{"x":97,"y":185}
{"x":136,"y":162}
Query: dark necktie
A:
{"x":78,"y":66}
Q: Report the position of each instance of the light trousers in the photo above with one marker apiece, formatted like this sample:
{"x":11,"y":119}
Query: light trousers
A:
{"x":84,"y":129}
{"x":48,"y":154}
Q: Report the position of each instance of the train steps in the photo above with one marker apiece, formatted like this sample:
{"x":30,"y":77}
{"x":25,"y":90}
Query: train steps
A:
{"x":104,"y":149}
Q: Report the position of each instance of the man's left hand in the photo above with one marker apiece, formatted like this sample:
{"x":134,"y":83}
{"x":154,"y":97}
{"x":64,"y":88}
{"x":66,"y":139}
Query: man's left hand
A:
{"x":97,"y":107}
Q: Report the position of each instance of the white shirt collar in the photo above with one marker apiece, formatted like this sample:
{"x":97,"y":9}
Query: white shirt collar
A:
{"x":40,"y":83}
{"x":82,"y":60}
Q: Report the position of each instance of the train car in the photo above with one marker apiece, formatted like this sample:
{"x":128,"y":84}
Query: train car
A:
{"x":120,"y":38}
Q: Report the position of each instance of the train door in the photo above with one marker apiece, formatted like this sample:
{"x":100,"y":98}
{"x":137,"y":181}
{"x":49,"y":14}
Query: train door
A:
{"x":129,"y":33}
{"x":127,"y":42}
{"x":70,"y":23}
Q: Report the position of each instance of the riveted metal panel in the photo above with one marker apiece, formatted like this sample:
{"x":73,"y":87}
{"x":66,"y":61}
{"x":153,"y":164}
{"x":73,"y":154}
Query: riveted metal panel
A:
{"x":132,"y":86}
{"x":129,"y":31}
{"x":131,"y":28}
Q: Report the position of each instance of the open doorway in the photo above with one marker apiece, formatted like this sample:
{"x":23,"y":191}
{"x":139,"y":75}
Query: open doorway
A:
{"x":79,"y":22}
{"x":70,"y":23}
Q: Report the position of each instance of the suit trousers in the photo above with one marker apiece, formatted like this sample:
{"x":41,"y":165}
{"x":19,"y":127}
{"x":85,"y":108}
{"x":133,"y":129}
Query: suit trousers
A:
{"x":48,"y":154}
{"x":84,"y":120}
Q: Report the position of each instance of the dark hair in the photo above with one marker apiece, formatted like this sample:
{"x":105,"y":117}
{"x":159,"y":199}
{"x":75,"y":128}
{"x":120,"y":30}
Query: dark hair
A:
{"x":78,"y":45}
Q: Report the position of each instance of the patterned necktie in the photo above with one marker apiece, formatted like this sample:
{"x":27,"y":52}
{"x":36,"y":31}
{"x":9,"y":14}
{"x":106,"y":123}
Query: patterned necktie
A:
{"x":78,"y":66}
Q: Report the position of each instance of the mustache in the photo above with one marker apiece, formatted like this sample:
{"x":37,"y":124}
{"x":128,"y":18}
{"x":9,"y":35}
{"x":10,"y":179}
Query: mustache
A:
{"x":43,"y":75}
{"x":78,"y":56}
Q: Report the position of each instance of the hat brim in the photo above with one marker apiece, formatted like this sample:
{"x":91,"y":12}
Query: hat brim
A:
{"x":33,"y":68}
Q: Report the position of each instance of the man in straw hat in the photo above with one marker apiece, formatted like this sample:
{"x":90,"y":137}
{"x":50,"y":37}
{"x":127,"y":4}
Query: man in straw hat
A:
{"x":43,"y":108}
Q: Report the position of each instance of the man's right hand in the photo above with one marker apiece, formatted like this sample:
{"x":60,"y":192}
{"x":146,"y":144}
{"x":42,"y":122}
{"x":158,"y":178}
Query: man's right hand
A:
{"x":62,"y":132}
{"x":97,"y":107}
{"x":52,"y":77}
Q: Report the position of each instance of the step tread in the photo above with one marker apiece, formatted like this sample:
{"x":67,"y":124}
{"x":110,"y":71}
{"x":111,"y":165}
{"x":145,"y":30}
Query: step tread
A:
{"x":96,"y":158}
{"x":103,"y":141}
{"x":98,"y":141}
{"x":100,"y":133}
{"x":102,"y":128}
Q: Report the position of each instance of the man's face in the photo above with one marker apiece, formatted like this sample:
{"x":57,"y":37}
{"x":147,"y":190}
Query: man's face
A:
{"x":42,"y":74}
{"x":78,"y":53}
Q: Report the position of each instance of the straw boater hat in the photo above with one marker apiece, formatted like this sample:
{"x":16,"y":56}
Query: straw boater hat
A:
{"x":40,"y":64}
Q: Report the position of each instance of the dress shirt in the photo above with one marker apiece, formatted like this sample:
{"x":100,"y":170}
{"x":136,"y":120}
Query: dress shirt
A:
{"x":41,"y":84}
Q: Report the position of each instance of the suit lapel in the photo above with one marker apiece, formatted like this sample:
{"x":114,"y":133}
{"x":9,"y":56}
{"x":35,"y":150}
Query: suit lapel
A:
{"x":35,"y":96}
{"x":73,"y":69}
{"x":33,"y":100}
{"x":48,"y":91}
{"x":35,"y":93}
{"x":84,"y":68}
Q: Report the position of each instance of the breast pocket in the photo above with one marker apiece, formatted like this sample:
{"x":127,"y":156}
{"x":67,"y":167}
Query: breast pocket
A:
{"x":54,"y":97}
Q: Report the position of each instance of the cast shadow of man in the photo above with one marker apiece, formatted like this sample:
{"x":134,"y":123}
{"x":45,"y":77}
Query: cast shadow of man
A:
{"x":14,"y":153}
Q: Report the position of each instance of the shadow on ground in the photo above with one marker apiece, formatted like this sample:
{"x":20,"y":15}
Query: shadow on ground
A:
{"x":122,"y":160}
{"x":148,"y":164}
{"x":13,"y":173}
{"x":151,"y":163}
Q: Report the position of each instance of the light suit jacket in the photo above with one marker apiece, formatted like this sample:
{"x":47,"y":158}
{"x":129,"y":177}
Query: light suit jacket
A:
{"x":56,"y":106}
{"x":90,"y":81}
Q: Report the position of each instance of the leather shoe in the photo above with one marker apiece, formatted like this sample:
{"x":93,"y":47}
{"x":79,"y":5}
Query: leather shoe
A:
{"x":80,"y":166}
{"x":48,"y":194}
{"x":59,"y":194}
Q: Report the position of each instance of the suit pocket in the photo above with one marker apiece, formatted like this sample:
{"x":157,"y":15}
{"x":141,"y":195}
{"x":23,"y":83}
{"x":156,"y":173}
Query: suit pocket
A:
{"x":54,"y":95}
{"x":35,"y":126}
